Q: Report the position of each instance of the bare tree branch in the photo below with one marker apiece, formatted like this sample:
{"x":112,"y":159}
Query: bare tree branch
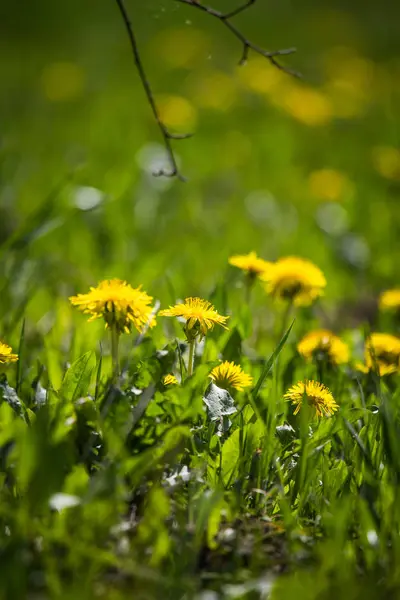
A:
{"x":239,"y":9}
{"x":167,"y":136}
{"x":248,"y":46}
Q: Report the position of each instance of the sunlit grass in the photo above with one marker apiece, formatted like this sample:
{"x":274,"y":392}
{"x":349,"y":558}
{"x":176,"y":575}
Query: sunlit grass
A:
{"x":168,"y":465}
{"x":248,"y":447}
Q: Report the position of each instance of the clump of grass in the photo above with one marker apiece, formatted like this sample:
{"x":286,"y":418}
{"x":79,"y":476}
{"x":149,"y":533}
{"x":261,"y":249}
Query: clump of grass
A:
{"x":173,"y":472}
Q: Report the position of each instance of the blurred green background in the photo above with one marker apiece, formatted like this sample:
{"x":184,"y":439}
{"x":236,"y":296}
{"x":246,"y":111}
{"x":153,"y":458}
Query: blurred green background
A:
{"x":277,"y":165}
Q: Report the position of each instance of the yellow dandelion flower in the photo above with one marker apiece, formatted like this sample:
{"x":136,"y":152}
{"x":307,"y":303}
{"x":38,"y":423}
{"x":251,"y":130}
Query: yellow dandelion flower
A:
{"x":118,"y":303}
{"x":316,"y":394}
{"x":307,"y":105}
{"x":386,"y":160}
{"x":295,"y":279}
{"x":6,"y":354}
{"x":177,"y":112}
{"x":63,"y":81}
{"x":199,"y":314}
{"x":258,"y":77}
{"x":390,"y":300}
{"x":325,"y":344}
{"x":382,"y":350}
{"x":382,"y":369}
{"x":350,"y":81}
{"x":250,"y":263}
{"x":227,"y":375}
{"x":329,"y":184}
{"x":359,"y":366}
{"x":170,"y":380}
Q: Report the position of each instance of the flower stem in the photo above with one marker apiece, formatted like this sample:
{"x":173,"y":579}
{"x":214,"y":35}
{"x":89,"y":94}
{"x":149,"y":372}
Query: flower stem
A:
{"x":320,"y":370}
{"x":285,"y":321}
{"x":115,"y":352}
{"x":284,"y":325}
{"x":192,"y":345}
{"x":249,"y":282}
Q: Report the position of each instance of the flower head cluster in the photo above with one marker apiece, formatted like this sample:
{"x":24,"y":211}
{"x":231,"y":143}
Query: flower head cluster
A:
{"x":118,"y":303}
{"x":200,"y":316}
{"x":294,"y":279}
{"x":228,"y":375}
{"x":390,"y":300}
{"x":6,"y":354}
{"x":325,"y":345}
{"x":170,"y":380}
{"x":315,"y":394}
{"x":382,"y":352}
{"x":250,"y":263}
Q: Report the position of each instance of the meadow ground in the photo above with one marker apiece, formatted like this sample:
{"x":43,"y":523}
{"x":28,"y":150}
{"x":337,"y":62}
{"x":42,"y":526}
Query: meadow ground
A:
{"x":199,"y":386}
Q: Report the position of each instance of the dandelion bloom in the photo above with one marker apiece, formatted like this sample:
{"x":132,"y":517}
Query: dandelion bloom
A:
{"x":382,"y":351}
{"x":6,"y":354}
{"x":306,"y":104}
{"x":324,"y":344}
{"x":390,"y":300}
{"x":359,"y":366}
{"x":316,"y":394}
{"x":295,"y":279}
{"x":227,"y":375}
{"x":199,"y":314}
{"x":328,"y":184}
{"x":250,"y":263}
{"x":170,"y":380}
{"x":118,"y":303}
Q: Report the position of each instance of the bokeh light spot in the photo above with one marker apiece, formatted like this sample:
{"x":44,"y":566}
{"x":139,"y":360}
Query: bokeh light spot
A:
{"x":259,"y":76}
{"x":333,"y":219}
{"x":87,"y":198}
{"x":351,"y":81}
{"x":386,"y":160}
{"x":329,"y":184}
{"x":177,"y":112}
{"x":181,"y":47}
{"x":214,"y":90}
{"x":62,"y":81}
{"x":307,"y":105}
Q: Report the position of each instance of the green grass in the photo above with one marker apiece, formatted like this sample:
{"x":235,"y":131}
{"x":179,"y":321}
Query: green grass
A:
{"x":109,"y":488}
{"x":126,"y":489}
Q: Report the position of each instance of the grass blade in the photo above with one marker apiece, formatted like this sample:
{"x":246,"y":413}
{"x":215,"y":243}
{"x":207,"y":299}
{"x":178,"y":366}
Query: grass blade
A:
{"x":20,"y":356}
{"x":270,"y":362}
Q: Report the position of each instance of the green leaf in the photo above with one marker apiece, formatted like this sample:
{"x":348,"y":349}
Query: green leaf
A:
{"x":206,"y":519}
{"x":77,"y":378}
{"x":152,"y":531}
{"x":230,"y":457}
{"x":215,"y":518}
{"x":144,"y":400}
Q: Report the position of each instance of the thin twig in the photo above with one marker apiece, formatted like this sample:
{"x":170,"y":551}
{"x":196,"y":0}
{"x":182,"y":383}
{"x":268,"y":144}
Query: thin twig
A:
{"x":247,"y":44}
{"x":239,"y":9}
{"x":247,"y":47}
{"x":167,"y":136}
